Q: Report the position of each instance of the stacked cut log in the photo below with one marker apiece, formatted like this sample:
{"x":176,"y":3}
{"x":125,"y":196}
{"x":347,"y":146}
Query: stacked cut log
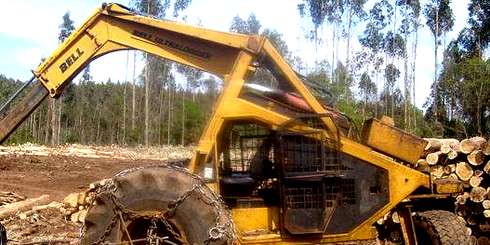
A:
{"x":467,"y":160}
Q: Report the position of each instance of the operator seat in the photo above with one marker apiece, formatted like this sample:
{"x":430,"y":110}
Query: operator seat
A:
{"x":244,"y":183}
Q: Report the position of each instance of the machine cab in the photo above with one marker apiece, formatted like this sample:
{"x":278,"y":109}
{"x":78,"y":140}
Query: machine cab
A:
{"x":289,"y":179}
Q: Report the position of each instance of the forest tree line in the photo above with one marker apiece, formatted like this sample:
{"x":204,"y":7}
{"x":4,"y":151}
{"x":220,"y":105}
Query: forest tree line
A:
{"x":155,"y":107}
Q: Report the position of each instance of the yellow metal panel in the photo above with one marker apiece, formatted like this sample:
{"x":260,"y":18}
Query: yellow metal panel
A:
{"x":393,"y":141}
{"x":232,"y":87}
{"x":445,"y":186}
{"x":255,"y":219}
{"x":67,"y":62}
{"x":224,"y":38}
{"x":184,"y":49}
{"x":69,"y":41}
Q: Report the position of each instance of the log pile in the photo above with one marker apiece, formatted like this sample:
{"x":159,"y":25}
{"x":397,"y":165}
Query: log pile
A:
{"x":73,"y":208}
{"x":467,"y":160}
{"x":75,"y":205}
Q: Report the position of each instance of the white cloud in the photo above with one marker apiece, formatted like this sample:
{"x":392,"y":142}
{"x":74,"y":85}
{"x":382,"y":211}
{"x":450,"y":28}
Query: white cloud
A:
{"x":29,"y":56}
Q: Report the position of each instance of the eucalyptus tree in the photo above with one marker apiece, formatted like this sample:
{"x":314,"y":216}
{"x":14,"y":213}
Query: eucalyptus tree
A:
{"x":193,"y":77}
{"x":321,"y":11}
{"x":355,"y":13}
{"x":479,"y":22}
{"x":367,"y":90}
{"x":440,"y":20}
{"x":391,"y":75}
{"x":409,"y":24}
{"x":373,"y":38}
{"x":335,"y":9}
{"x":415,"y":7}
{"x":395,"y":49}
{"x":55,"y":106}
{"x":317,"y":11}
{"x":251,"y":26}
{"x":158,"y":9}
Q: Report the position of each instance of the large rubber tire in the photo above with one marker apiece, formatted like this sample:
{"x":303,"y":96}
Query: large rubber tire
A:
{"x":439,"y":227}
{"x":149,"y":191}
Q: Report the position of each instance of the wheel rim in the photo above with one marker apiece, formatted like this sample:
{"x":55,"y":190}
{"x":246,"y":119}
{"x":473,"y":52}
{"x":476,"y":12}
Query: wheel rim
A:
{"x":153,"y":231}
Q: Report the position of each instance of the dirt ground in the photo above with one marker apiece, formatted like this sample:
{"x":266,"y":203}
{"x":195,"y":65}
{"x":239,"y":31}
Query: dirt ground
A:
{"x":58,"y":176}
{"x":33,"y":171}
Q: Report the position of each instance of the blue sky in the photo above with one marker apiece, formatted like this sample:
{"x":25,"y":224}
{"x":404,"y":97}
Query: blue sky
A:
{"x":29,"y":30}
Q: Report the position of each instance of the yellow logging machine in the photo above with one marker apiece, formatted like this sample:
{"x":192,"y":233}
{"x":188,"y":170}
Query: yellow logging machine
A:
{"x":276,"y":164}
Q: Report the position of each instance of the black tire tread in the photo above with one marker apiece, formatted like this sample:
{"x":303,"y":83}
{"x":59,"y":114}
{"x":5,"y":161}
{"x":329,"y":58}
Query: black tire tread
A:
{"x":153,"y":188}
{"x":443,"y":227}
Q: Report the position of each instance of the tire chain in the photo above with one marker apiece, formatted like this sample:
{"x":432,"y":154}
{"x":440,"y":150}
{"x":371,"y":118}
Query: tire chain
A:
{"x":216,"y":232}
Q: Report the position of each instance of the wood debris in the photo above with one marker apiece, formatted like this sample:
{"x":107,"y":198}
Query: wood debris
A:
{"x":7,"y":197}
{"x":21,"y":206}
{"x":115,"y":152}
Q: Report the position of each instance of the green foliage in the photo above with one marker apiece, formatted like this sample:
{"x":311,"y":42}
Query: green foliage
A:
{"x":320,"y":74}
{"x":343,"y":83}
{"x":194,"y":121}
{"x":251,"y":26}
{"x":463,"y":97}
{"x":181,"y":5}
{"x":380,"y":14}
{"x":7,"y":87}
{"x":372,"y":38}
{"x":317,"y":10}
{"x":277,"y":40}
{"x":351,"y":109}
{"x":391,"y":75}
{"x":411,"y":13}
{"x":439,"y":16}
{"x":367,"y":87}
{"x":479,"y":22}
{"x":66,"y":28}
{"x":94,"y":114}
{"x":394,"y":45}
{"x":157,"y":8}
{"x":86,"y":74}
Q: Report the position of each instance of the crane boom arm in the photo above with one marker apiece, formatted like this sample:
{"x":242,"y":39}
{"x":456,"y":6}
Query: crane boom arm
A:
{"x":114,"y":27}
